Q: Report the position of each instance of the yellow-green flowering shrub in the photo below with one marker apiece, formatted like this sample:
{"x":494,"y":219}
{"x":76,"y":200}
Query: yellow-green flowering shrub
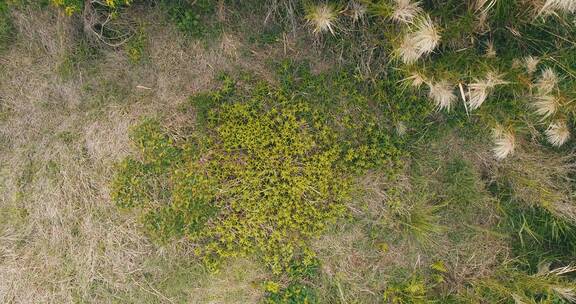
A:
{"x":263,"y":177}
{"x":75,"y":6}
{"x":279,"y":181}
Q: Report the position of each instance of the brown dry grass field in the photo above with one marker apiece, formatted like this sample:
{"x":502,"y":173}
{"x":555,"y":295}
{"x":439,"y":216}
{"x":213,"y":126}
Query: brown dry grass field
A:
{"x":61,"y":237}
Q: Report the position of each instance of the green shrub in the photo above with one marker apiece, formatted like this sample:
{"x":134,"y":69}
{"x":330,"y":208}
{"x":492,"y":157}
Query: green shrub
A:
{"x":156,"y":146}
{"x":172,"y":190}
{"x":132,"y":185}
{"x":263,"y":171}
{"x":284,"y":184}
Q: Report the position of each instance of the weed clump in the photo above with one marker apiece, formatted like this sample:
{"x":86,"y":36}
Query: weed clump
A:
{"x":191,"y":18}
{"x":294,"y":293}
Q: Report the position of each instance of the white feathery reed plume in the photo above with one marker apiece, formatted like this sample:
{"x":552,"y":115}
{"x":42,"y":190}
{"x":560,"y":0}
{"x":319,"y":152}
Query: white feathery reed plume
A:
{"x":322,"y":18}
{"x":551,"y":6}
{"x":547,"y":81}
{"x":479,"y":90}
{"x":504,"y":143}
{"x":531,"y":64}
{"x":357,"y":10}
{"x":545,"y":105}
{"x":404,"y":11}
{"x":422,"y":39}
{"x":558,"y":133}
{"x":477,"y":94}
{"x":442,"y":94}
{"x":415,"y":80}
{"x":408,"y":51}
{"x":565,"y":292}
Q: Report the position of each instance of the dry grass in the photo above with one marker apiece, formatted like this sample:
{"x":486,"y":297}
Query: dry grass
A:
{"x":63,"y":240}
{"x":357,"y":268}
{"x":236,"y":283}
{"x":540,"y":177}
{"x":361,"y":256}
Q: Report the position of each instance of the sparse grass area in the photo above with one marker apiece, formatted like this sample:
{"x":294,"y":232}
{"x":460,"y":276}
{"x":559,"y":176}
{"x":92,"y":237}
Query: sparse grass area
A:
{"x":287,"y":152}
{"x":66,"y":109}
{"x":411,"y":237}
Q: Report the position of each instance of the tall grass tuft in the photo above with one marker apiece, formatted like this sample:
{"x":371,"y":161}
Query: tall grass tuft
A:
{"x":405,"y":11}
{"x":442,"y":94}
{"x":423,"y":37}
{"x":558,"y":133}
{"x":322,"y":18}
{"x":478,"y":90}
{"x":504,"y":142}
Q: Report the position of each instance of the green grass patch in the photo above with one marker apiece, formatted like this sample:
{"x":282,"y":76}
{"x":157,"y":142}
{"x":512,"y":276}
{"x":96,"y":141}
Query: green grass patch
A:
{"x":7,"y":29}
{"x":80,"y":58}
{"x":196,"y":19}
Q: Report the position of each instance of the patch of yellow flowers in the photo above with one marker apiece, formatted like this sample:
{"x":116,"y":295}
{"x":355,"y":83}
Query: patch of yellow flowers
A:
{"x":73,"y":6}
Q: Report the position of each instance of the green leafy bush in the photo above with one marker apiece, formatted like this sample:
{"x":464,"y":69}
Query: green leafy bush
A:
{"x":175,"y":195}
